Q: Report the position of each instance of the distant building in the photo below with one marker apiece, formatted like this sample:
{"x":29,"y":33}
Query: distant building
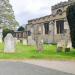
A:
{"x":53,"y":26}
{"x":20,"y":34}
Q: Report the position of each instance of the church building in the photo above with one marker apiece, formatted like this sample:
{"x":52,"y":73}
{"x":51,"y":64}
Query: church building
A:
{"x":54,"y":26}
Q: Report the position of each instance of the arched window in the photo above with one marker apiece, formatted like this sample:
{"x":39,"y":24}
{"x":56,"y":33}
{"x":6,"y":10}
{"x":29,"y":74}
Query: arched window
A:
{"x":59,"y":11}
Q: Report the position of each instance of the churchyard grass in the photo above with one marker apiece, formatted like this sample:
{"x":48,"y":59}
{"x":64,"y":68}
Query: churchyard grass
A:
{"x":30,"y":52}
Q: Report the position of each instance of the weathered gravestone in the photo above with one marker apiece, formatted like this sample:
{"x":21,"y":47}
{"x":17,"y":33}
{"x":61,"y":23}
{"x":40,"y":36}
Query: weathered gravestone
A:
{"x":68,"y":47}
{"x":39,"y":41}
{"x":17,"y":40}
{"x":9,"y":44}
{"x":60,"y":46}
{"x":68,"y":43}
{"x":39,"y":44}
{"x":24,"y":41}
{"x":31,"y":41}
{"x":1,"y":35}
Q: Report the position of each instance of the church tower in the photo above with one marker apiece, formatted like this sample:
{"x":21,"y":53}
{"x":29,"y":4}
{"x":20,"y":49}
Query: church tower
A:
{"x":71,"y":0}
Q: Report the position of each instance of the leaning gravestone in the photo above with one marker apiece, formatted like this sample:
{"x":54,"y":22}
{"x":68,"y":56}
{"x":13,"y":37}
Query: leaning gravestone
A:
{"x":9,"y":44}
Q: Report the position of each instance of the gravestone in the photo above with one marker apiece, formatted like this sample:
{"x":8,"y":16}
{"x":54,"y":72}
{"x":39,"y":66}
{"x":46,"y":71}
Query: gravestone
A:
{"x":31,"y":41}
{"x":1,"y":35}
{"x":60,"y":46}
{"x":39,"y":38}
{"x":68,"y":42}
{"x":17,"y":40}
{"x":39,"y":43}
{"x":24,"y":41}
{"x":1,"y":40}
{"x":9,"y":44}
{"x":68,"y":47}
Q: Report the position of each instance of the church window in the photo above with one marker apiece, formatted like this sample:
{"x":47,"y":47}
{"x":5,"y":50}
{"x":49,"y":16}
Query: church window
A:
{"x":60,"y":26}
{"x":29,"y":33}
{"x":46,"y":26}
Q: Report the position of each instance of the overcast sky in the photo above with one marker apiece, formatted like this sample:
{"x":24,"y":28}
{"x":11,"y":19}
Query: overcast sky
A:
{"x":25,"y":10}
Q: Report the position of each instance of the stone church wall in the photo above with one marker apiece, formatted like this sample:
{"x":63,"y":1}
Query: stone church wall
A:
{"x":58,"y":13}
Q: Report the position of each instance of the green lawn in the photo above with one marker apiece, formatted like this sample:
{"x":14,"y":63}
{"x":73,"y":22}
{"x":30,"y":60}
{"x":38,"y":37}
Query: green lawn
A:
{"x":29,"y":52}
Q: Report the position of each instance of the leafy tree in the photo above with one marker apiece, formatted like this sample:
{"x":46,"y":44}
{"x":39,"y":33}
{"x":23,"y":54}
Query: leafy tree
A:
{"x":21,"y":29}
{"x":70,"y":13}
{"x":7,"y":18}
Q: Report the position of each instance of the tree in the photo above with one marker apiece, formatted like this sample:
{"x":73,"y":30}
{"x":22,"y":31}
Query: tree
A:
{"x":21,"y":29}
{"x":70,"y":13}
{"x":7,"y":18}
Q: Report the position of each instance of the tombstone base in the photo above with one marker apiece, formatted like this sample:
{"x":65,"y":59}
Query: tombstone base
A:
{"x":40,"y":50}
{"x":67,"y":49}
{"x":9,"y":51}
{"x":59,"y":49}
{"x":39,"y":47}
